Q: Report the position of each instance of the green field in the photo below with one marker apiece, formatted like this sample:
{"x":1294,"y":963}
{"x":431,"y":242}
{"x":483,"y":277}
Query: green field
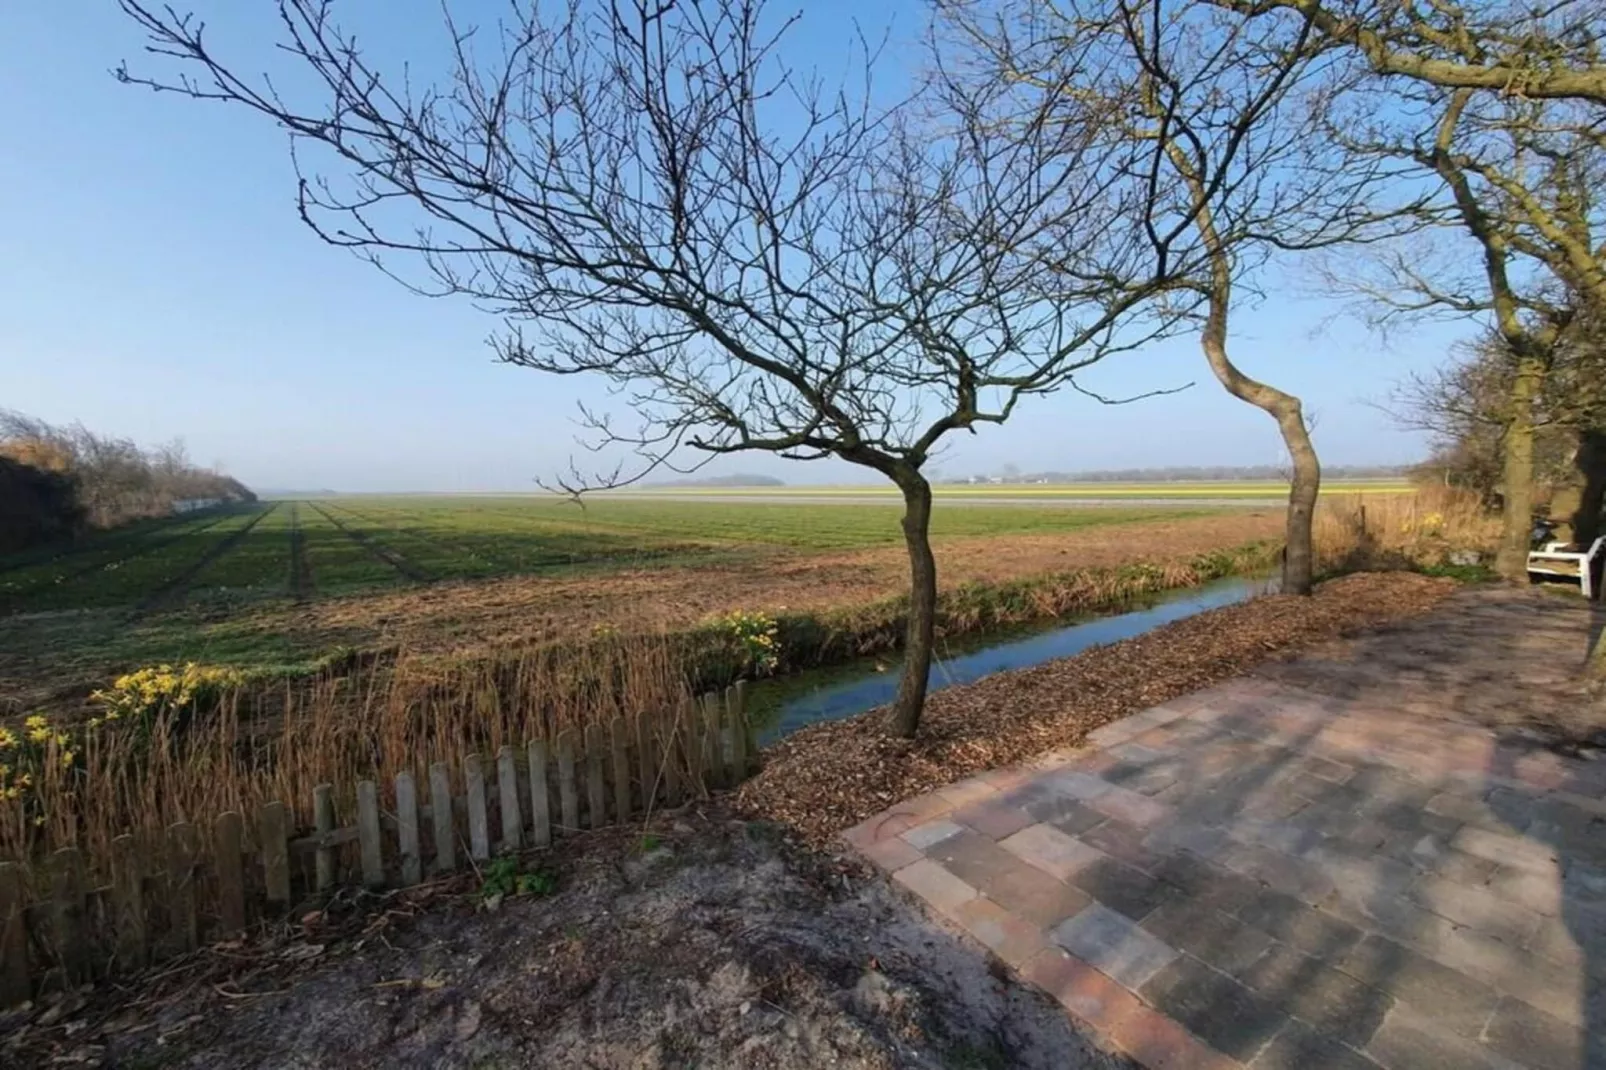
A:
{"x":1237,"y":489}
{"x":335,"y":546}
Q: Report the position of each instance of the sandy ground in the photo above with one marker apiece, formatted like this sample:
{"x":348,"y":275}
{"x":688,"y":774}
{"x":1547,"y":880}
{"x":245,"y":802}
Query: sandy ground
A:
{"x":707,"y":946}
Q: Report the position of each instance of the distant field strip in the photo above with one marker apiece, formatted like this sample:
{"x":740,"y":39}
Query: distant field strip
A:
{"x":373,"y":546}
{"x":76,"y":553}
{"x":255,"y":564}
{"x":536,"y":532}
{"x":301,"y":582}
{"x":114,"y":571}
{"x":217,"y":554}
{"x":295,"y":551}
{"x":421,"y":543}
{"x":1268,"y":489}
{"x":337,"y":562}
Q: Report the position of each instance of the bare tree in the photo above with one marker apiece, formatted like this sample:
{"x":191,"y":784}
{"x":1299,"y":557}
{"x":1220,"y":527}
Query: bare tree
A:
{"x":1503,"y":104}
{"x":756,"y":261}
{"x":1537,"y":52}
{"x":1218,"y":113}
{"x":1514,"y":180}
{"x":112,"y":480}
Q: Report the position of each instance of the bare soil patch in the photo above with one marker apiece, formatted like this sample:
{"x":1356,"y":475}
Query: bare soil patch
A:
{"x":710,"y":945}
{"x":828,"y":777}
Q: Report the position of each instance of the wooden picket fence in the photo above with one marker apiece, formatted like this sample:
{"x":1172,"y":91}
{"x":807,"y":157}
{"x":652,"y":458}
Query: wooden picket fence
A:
{"x":210,"y":881}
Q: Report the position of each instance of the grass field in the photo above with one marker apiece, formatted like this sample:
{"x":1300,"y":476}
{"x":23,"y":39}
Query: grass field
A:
{"x":1181,"y":491}
{"x":305,"y":549}
{"x":289,"y":583}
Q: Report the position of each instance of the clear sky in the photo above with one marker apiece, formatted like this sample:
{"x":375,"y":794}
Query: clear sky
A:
{"x":156,"y":283}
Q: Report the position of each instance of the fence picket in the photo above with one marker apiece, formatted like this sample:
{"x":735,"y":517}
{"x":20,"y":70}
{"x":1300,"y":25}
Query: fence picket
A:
{"x":646,"y":763}
{"x":15,"y":986}
{"x":703,"y":743}
{"x":371,"y":847}
{"x":568,"y":791}
{"x":713,"y":746}
{"x":676,"y":754}
{"x":736,"y":727}
{"x":749,"y":735}
{"x":479,"y":822}
{"x":540,"y":800}
{"x":183,"y":845}
{"x":691,"y":726}
{"x":596,"y":786}
{"x":323,"y":820}
{"x":229,"y":833}
{"x":412,"y":863}
{"x":128,"y":902}
{"x":67,"y":910}
{"x":440,"y":816}
{"x":507,"y":789}
{"x":621,"y":771}
{"x":274,"y":824}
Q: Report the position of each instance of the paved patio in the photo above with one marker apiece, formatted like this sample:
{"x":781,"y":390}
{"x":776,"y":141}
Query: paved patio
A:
{"x":1355,"y":860}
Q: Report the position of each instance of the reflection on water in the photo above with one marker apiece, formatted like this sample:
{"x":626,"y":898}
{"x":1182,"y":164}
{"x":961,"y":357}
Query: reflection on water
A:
{"x":785,"y":705}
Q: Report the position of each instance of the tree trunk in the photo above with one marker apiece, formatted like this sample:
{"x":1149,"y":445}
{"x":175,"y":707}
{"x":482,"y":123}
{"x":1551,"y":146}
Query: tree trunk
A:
{"x":1518,"y":463}
{"x":1591,"y":463}
{"x":1299,"y":557}
{"x":917,"y":647}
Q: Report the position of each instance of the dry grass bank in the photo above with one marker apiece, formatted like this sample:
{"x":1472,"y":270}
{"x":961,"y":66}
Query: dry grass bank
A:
{"x":1421,"y":530}
{"x":82,"y":785}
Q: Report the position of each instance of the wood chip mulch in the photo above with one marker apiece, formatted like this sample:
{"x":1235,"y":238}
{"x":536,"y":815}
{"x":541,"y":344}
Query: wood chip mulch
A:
{"x":829,"y":777}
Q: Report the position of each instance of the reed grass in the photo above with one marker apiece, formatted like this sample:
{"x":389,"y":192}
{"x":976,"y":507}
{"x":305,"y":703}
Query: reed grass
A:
{"x":278,"y":741}
{"x":1424,"y":530}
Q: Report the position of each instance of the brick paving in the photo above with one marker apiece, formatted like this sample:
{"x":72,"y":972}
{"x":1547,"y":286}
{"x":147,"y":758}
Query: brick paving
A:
{"x":1360,"y":859}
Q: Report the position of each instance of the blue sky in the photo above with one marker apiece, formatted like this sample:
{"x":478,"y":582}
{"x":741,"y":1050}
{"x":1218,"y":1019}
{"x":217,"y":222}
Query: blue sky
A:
{"x":157,"y":284}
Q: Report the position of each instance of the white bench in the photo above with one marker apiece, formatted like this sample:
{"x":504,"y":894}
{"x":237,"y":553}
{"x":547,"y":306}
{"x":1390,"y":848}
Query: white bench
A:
{"x":1568,"y":564}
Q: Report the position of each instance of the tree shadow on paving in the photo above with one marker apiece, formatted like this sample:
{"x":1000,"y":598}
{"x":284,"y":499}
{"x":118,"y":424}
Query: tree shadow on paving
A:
{"x":1258,"y":976}
{"x":1372,"y":938}
{"x":1565,"y":880}
{"x":1496,"y":950}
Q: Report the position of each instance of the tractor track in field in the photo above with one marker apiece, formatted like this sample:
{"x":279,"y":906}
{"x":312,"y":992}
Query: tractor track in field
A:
{"x":498,"y":564}
{"x":375,"y":548}
{"x":8,"y":604}
{"x":177,"y":587}
{"x":301,"y":585}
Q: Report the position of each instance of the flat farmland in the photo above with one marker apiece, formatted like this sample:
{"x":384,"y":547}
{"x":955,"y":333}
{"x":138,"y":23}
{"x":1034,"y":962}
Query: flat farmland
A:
{"x":1221,"y":491}
{"x":285,"y":583}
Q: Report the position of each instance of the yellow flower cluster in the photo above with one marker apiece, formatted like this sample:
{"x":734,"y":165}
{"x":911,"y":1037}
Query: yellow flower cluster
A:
{"x":163,"y":686}
{"x":1428,"y":525}
{"x":755,"y":633}
{"x":22,"y":754}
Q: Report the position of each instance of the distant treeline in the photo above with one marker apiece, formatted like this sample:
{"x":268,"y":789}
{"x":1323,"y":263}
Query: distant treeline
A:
{"x":1198,"y":474}
{"x":57,"y":482}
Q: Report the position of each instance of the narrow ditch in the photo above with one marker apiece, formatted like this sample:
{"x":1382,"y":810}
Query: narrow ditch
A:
{"x":782,"y":705}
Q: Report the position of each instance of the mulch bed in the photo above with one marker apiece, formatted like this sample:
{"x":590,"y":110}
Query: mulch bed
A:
{"x":828,"y":777}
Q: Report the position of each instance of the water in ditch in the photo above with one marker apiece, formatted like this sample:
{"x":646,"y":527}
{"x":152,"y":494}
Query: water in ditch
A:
{"x":784,"y":705}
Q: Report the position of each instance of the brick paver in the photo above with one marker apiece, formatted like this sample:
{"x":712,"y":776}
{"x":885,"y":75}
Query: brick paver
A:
{"x":1341,"y":862}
